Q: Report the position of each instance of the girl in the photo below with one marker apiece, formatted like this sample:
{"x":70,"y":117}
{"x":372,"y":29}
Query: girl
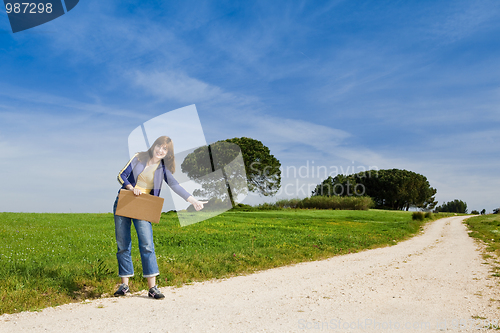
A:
{"x":144,"y":173}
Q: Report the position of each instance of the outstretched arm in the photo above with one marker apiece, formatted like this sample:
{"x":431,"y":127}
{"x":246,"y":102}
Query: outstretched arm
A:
{"x":179,"y":190}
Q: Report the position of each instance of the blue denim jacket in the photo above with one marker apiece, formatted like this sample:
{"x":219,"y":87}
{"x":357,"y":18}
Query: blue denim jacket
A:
{"x":133,"y":169}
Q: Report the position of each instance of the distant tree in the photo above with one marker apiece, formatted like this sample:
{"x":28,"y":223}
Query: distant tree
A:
{"x":496,"y":210}
{"x":475,"y":212}
{"x":483,"y":211}
{"x":340,"y":185}
{"x":455,"y":206}
{"x":390,"y":189}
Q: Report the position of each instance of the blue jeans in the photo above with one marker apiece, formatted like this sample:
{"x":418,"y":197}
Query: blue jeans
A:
{"x":124,"y":244}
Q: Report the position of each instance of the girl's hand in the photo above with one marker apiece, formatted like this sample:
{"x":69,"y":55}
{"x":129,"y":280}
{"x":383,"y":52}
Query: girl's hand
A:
{"x":133,"y":189}
{"x":198,"y":205}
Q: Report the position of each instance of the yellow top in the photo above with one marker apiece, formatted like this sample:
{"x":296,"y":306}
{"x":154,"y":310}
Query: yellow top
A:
{"x":145,"y":179}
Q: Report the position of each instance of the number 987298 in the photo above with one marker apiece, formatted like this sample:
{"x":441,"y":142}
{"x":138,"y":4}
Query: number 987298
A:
{"x":28,"y":8}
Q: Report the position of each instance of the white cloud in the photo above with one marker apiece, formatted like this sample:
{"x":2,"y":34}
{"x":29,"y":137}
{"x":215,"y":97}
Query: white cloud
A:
{"x":177,"y":86}
{"x":29,"y":101}
{"x":462,"y":143}
{"x":290,"y":132}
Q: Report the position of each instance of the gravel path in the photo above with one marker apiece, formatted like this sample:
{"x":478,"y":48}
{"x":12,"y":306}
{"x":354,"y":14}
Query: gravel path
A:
{"x":434,"y":282}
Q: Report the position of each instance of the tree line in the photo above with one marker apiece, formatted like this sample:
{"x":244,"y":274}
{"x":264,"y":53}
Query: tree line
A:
{"x":390,"y":189}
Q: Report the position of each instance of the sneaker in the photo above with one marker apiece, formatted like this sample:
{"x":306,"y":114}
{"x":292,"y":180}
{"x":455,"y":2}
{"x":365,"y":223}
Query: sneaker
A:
{"x":122,"y":290}
{"x":155,"y":293}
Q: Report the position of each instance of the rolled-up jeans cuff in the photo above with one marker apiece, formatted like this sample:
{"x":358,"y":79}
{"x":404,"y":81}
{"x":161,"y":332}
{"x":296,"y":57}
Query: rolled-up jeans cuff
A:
{"x":126,"y":276}
{"x":151,"y":275}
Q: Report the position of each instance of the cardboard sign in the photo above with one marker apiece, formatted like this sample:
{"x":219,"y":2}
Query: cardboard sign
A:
{"x":142,"y":207}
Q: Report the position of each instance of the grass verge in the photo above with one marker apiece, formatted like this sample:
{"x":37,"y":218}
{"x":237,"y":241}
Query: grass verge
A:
{"x":486,"y":228}
{"x":52,"y":259}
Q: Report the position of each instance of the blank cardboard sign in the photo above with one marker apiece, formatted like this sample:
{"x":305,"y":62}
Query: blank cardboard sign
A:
{"x":142,"y":207}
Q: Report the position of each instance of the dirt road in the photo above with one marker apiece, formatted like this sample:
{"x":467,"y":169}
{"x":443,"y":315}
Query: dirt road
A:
{"x":434,"y":282}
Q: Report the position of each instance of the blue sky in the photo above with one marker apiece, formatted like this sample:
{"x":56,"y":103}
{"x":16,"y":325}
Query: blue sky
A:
{"x":389,"y":84}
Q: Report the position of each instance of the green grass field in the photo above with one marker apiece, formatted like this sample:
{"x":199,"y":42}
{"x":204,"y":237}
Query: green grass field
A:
{"x":52,"y":259}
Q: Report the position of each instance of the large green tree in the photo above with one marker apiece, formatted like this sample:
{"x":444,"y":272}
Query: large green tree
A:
{"x":390,"y":189}
{"x":262,"y":168}
{"x":218,"y":164}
